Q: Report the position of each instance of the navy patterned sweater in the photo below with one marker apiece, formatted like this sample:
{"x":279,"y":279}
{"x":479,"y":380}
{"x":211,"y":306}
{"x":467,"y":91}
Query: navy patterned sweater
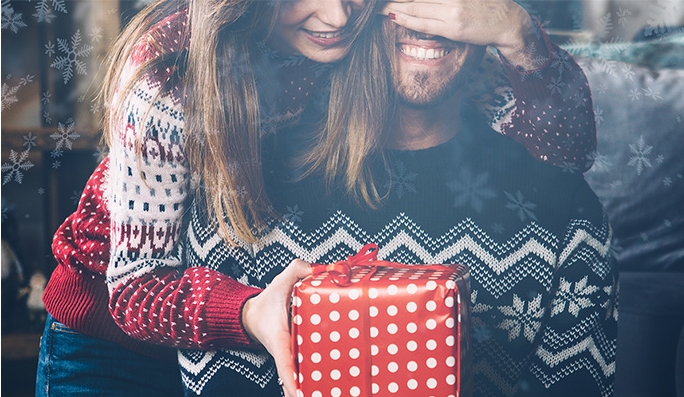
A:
{"x":535,"y":237}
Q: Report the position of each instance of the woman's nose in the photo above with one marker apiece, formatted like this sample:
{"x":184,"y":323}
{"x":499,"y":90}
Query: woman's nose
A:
{"x":336,"y":14}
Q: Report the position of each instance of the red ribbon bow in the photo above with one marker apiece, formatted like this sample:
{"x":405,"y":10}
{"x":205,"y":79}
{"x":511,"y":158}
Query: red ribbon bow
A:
{"x":341,"y":271}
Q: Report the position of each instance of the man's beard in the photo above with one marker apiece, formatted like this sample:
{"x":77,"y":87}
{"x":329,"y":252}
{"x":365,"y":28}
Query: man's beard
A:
{"x":420,"y":93}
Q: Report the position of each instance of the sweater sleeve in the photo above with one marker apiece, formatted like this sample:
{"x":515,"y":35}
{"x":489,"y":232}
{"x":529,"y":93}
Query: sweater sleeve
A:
{"x":153,"y":296}
{"x":576,"y":346}
{"x":82,"y":240}
{"x":554,"y":115}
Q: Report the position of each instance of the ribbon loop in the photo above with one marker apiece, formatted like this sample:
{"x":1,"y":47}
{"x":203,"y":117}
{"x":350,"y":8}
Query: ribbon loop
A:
{"x":341,"y":271}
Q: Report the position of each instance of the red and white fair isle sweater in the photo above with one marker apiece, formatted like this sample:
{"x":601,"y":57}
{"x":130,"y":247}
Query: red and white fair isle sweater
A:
{"x":129,"y":221}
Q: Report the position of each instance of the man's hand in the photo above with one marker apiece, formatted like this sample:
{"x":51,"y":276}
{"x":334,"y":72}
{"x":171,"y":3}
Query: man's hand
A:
{"x":503,"y":24}
{"x":266,"y":319}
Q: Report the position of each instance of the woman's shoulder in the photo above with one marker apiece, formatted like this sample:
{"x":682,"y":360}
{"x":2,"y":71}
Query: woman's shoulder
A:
{"x":169,"y":35}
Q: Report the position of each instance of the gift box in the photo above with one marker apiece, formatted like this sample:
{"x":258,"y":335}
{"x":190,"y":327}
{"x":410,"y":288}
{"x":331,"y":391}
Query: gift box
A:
{"x":366,"y":327}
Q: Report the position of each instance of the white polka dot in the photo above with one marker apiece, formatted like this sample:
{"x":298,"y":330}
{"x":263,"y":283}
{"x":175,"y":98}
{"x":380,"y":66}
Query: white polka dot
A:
{"x":432,"y":383}
{"x":411,"y":307}
{"x":355,"y":391}
{"x":431,"y":363}
{"x":335,"y":354}
{"x":412,"y":366}
{"x":431,"y":285}
{"x":335,"y":336}
{"x":450,"y":340}
{"x":354,"y":333}
{"x":301,"y":394}
{"x":431,"y":306}
{"x":431,"y":324}
{"x":373,"y":311}
{"x":393,"y":367}
{"x":354,"y":353}
{"x":316,"y":358}
{"x":411,"y":345}
{"x":392,"y":329}
{"x":411,"y":328}
{"x":300,"y":357}
{"x":392,"y":349}
{"x":353,"y":294}
{"x":315,"y":337}
{"x":315,"y":299}
{"x":335,"y":392}
{"x":316,"y":283}
{"x":335,"y":374}
{"x":451,"y":361}
{"x":392,"y":310}
{"x":431,"y":344}
{"x":372,"y":293}
{"x":451,"y":284}
{"x":334,"y":315}
{"x":449,"y":322}
{"x":451,"y":379}
{"x":449,"y":301}
{"x":353,"y":315}
{"x":392,"y":290}
{"x":316,"y":375}
{"x":300,"y":340}
{"x":354,"y":371}
{"x":411,"y":289}
{"x":375,"y":370}
{"x":334,"y":297}
{"x":297,"y":301}
{"x":297,"y":319}
{"x":393,"y":387}
{"x":315,"y":319}
{"x":412,"y":384}
{"x":376,"y":388}
{"x":374,"y":332}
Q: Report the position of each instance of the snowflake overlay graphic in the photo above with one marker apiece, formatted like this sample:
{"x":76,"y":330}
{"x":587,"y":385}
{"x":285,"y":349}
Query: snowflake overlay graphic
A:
{"x":65,"y":136}
{"x":11,"y":20}
{"x":641,"y":153}
{"x":19,"y":163}
{"x":73,"y":50}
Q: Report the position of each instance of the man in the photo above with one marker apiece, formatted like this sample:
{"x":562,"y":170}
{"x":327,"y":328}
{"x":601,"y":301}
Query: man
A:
{"x":451,"y":190}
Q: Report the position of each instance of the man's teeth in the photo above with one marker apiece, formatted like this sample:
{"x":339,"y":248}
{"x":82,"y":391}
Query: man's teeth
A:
{"x":423,"y":53}
{"x":325,"y":35}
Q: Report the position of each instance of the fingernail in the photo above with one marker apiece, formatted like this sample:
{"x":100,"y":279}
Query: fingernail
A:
{"x":392,"y":16}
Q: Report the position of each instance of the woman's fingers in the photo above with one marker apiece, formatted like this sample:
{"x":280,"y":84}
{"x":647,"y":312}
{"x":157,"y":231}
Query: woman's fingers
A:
{"x":266,"y":319}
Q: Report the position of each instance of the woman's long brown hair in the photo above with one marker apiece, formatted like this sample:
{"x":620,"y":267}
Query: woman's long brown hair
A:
{"x":222,"y":106}
{"x":358,"y":118}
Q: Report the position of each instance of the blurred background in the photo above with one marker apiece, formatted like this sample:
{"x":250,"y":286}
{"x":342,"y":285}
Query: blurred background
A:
{"x":631,"y":50}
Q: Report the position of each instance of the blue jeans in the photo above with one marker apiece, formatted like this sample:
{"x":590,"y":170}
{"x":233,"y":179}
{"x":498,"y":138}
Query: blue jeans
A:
{"x":74,"y":364}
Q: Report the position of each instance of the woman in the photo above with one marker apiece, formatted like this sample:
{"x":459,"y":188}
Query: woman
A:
{"x":149,"y":259}
{"x":81,"y":343}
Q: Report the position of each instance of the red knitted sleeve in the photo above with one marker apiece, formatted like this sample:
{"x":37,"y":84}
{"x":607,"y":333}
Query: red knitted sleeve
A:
{"x":554,"y":114}
{"x":82,"y":240}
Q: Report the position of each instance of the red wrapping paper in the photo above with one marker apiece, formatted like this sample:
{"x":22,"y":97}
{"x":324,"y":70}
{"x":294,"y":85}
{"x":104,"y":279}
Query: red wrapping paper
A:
{"x":365,"y":327}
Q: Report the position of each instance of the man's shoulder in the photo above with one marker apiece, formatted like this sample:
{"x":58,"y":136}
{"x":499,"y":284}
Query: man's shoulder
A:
{"x":557,"y":194}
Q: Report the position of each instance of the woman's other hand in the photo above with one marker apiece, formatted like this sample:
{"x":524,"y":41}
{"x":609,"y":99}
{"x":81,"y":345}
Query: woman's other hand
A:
{"x":265,"y":318}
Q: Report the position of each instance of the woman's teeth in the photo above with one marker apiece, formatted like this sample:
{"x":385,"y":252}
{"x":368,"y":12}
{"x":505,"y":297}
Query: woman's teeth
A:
{"x":421,"y":53}
{"x":325,"y":35}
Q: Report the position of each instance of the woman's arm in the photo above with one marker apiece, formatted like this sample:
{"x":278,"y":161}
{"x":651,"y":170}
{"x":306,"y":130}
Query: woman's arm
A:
{"x":153,"y":296}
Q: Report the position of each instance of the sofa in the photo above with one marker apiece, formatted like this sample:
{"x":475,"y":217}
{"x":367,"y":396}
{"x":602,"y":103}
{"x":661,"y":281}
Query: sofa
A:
{"x":638,"y":173}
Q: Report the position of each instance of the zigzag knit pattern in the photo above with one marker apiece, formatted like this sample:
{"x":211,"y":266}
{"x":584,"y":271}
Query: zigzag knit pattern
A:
{"x":543,"y":286}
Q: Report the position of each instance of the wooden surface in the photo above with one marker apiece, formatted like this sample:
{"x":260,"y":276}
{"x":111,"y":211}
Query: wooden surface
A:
{"x":20,"y":346}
